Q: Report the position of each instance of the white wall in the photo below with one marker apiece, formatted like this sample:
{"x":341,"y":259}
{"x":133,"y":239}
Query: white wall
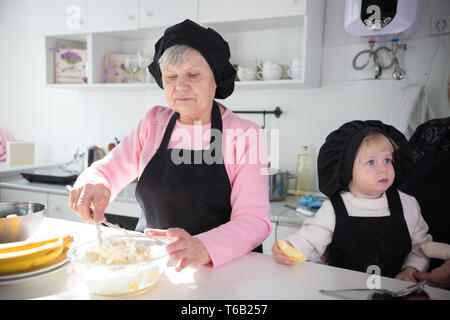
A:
{"x":61,"y":120}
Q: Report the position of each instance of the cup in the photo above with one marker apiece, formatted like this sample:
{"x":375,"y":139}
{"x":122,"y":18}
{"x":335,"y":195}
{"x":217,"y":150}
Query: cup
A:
{"x":247,"y":71}
{"x":269,"y":70}
{"x":294,"y":73}
{"x":295,"y":63}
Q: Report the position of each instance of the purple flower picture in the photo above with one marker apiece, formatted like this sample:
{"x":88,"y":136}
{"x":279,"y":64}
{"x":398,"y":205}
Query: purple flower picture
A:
{"x":71,"y":57}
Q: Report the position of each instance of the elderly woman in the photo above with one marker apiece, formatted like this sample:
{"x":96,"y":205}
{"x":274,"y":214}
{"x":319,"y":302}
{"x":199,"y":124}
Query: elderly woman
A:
{"x":203,"y":189}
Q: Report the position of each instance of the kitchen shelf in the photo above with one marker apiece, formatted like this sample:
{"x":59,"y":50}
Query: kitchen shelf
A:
{"x":105,"y":86}
{"x":272,"y":84}
{"x":251,"y":36}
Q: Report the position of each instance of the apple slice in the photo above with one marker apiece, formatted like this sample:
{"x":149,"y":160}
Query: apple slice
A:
{"x":291,"y":252}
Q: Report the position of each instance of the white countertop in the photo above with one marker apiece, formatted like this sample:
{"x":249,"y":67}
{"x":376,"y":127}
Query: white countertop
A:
{"x":251,"y":277}
{"x":127,"y":194}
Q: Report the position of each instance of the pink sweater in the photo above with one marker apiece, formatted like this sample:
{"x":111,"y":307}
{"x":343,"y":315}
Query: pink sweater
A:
{"x":245,"y":161}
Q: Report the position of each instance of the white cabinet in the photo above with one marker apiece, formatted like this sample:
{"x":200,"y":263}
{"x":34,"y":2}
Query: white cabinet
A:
{"x":58,"y":207}
{"x":156,"y":13}
{"x":283,"y":231}
{"x":233,"y":10}
{"x":112,"y":15}
{"x":278,"y":232}
{"x":276,"y":30}
{"x":122,"y":208}
{"x":64,"y":17}
{"x":78,"y":16}
{"x":268,"y":243}
{"x":58,"y":204}
{"x":14,"y":195}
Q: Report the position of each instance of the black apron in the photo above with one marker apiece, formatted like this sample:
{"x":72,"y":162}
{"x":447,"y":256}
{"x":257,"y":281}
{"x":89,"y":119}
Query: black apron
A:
{"x":193,"y":195}
{"x":429,"y":183}
{"x":359,"y":242}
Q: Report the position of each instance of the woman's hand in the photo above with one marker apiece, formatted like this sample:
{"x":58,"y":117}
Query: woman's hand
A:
{"x":89,"y":196}
{"x":438,"y":277}
{"x":279,"y":256}
{"x":189,"y":250}
{"x":407,"y":274}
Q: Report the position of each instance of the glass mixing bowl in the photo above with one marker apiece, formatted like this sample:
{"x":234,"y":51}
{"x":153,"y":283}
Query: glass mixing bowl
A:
{"x":105,"y":279}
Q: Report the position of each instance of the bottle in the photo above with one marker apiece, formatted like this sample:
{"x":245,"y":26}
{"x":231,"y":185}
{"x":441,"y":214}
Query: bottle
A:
{"x":302,"y":187}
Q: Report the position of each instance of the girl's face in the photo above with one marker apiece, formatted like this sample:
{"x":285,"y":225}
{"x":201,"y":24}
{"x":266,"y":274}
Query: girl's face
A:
{"x":373,"y":172}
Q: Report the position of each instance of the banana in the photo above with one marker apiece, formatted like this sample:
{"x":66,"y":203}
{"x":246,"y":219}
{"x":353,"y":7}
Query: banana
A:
{"x":21,"y":258}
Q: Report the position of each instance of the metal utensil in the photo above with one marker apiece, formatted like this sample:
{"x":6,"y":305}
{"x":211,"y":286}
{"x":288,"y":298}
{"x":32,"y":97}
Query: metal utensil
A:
{"x":97,"y":225}
{"x":394,"y":294}
{"x":106,"y":223}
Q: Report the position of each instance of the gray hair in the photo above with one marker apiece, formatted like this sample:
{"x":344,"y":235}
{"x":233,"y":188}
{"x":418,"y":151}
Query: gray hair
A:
{"x":174,"y":55}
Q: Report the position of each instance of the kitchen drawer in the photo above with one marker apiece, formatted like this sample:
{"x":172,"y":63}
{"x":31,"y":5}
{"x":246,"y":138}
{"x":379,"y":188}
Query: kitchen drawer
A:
{"x":58,"y":207}
{"x":278,"y":232}
{"x":156,"y":13}
{"x":268,"y":243}
{"x":233,"y":10}
{"x":11,"y":195}
{"x":112,"y":15}
{"x":128,"y":223}
{"x":283,"y":231}
{"x":122,"y":208}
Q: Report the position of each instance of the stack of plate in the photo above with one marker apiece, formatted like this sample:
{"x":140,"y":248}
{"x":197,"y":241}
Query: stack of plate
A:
{"x":55,"y":265}
{"x":25,"y":260}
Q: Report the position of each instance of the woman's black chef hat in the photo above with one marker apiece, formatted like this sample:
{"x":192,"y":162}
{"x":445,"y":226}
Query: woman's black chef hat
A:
{"x":337,"y":154}
{"x":209,"y":43}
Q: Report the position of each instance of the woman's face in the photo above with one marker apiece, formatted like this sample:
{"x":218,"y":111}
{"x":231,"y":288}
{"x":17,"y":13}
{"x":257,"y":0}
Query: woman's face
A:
{"x":373,"y":173}
{"x":190,"y":88}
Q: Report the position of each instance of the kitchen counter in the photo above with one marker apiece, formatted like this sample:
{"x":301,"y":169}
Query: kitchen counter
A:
{"x":7,"y":171}
{"x":279,"y":213}
{"x":251,"y":277}
{"x":127,"y":194}
{"x":286,"y":216}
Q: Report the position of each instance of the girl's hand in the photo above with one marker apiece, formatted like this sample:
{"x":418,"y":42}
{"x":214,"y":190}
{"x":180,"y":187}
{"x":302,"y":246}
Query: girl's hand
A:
{"x":279,"y":256}
{"x":407,"y":274}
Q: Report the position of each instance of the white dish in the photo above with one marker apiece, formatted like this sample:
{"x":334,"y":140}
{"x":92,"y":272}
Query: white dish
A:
{"x":10,"y":278}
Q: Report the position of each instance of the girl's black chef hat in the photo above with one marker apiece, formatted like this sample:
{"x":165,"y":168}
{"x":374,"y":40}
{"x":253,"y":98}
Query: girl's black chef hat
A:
{"x":209,"y":43}
{"x":337,"y":154}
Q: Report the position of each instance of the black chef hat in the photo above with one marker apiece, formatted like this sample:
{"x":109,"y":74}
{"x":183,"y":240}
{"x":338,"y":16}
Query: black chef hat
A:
{"x":209,"y":43}
{"x":337,"y":154}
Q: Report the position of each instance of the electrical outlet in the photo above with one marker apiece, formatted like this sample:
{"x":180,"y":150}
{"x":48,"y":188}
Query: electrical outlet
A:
{"x":440,"y":22}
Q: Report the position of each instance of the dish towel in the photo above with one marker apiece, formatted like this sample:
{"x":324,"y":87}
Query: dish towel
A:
{"x":409,"y":109}
{"x":5,"y":136}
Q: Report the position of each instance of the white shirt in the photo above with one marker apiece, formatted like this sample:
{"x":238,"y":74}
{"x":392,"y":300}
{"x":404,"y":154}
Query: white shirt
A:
{"x":316,"y":233}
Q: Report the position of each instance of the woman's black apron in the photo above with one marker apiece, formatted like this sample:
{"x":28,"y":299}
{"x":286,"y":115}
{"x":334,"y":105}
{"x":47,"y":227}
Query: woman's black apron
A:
{"x":429,"y":183}
{"x":360,"y":242}
{"x":193,"y":195}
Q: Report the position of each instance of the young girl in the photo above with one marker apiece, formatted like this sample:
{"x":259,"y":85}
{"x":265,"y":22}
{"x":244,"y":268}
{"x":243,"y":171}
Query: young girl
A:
{"x":367,"y":221}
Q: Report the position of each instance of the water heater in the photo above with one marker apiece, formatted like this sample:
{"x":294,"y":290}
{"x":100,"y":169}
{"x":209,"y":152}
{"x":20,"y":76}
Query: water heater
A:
{"x":379,"y":18}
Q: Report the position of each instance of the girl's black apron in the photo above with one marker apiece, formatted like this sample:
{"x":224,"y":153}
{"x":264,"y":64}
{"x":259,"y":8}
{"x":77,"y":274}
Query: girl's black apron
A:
{"x":360,"y":242}
{"x":193,"y":195}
